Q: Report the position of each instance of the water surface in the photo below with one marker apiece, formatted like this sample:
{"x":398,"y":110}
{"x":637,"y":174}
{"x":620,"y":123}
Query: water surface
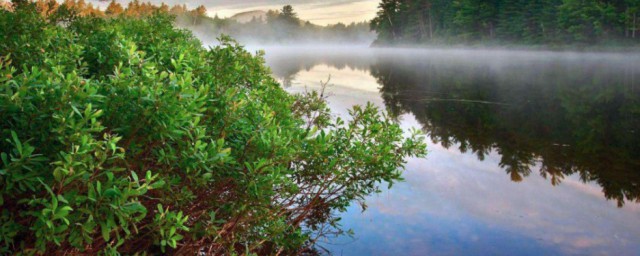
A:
{"x":530,"y":153}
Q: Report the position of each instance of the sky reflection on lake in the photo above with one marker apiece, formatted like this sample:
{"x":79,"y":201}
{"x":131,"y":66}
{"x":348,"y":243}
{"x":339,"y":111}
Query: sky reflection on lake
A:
{"x":456,"y":202}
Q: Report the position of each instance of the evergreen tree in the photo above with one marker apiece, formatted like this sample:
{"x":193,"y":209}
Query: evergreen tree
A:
{"x":386,"y":21}
{"x":516,"y":21}
{"x":288,"y":13}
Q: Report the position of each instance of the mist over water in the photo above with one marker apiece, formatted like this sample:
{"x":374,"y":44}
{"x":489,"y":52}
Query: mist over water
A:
{"x":531,"y":152}
{"x":277,"y":32}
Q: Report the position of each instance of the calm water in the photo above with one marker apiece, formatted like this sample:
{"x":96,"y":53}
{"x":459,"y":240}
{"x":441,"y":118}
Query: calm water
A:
{"x":530,"y":153}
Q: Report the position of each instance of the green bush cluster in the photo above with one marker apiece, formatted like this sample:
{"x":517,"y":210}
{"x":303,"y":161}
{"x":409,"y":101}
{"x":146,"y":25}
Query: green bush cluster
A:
{"x":127,"y":136}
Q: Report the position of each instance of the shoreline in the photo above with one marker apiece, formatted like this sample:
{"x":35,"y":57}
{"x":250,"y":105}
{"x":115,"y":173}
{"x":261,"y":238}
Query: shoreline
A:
{"x":516,"y":47}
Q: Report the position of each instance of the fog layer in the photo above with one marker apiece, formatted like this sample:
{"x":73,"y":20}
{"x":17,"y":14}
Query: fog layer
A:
{"x":275,"y":27}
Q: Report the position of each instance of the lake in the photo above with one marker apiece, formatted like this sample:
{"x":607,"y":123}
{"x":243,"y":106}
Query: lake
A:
{"x":530,"y":153}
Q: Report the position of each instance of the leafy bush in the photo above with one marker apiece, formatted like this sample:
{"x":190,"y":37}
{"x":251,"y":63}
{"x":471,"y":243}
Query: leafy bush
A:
{"x":126,"y":135}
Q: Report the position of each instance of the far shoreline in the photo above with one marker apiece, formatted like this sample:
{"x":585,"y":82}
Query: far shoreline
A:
{"x":340,"y":48}
{"x":596,"y":48}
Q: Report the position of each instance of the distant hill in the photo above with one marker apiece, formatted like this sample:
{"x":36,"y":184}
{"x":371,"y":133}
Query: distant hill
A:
{"x":245,"y":17}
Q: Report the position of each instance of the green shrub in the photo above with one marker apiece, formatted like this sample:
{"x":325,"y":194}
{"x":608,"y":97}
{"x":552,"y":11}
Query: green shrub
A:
{"x":126,"y":135}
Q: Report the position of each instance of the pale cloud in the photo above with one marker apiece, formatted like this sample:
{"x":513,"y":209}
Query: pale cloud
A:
{"x":323,"y":13}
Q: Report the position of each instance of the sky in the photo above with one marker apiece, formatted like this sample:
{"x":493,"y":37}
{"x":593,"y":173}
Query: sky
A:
{"x":321,"y":12}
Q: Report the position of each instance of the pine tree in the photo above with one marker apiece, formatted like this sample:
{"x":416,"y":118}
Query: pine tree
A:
{"x":386,"y":21}
{"x":519,"y":21}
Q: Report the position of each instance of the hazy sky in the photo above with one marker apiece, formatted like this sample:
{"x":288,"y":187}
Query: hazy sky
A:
{"x":320,"y":12}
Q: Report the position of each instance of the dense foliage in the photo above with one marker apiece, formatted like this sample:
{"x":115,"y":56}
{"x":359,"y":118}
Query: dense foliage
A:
{"x":514,"y":21}
{"x":125,"y":135}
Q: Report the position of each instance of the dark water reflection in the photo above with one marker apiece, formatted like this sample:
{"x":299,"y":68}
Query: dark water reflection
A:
{"x":562,"y":127}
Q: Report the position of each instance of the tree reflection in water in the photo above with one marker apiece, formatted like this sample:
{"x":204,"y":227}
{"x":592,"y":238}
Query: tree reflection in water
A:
{"x":555,"y":114}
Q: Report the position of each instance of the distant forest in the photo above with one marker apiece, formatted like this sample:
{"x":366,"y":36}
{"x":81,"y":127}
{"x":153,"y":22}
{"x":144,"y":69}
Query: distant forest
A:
{"x":276,"y":26}
{"x":512,"y":21}
{"x":279,"y":27}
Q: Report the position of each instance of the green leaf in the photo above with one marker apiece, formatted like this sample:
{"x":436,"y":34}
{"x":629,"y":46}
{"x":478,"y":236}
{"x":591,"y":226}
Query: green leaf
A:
{"x":57,"y":174}
{"x":60,"y":228}
{"x":157,"y":184}
{"x":62,"y":199}
{"x":91,"y":192}
{"x":54,"y":203}
{"x":112,"y":192}
{"x":135,"y":176}
{"x":134,"y":208}
{"x":3,"y":156}
{"x":63,"y":212}
{"x":17,"y":143}
{"x":76,"y":110}
{"x":105,"y":232}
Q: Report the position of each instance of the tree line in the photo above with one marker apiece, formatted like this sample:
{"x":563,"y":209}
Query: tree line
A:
{"x":512,"y":21}
{"x":278,"y":26}
{"x":81,"y":8}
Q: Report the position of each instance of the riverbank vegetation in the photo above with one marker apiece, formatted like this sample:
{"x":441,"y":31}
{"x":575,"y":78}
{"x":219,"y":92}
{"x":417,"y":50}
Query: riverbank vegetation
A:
{"x":123,"y":134}
{"x":536,"y":22}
